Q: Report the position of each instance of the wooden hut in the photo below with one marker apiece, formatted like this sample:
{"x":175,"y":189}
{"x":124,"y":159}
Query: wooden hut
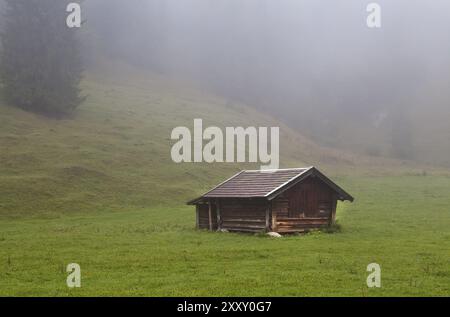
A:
{"x":282,"y":200}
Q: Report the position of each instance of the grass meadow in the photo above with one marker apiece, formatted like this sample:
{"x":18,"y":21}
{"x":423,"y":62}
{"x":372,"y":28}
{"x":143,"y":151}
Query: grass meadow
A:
{"x":401,"y":223}
{"x":99,"y":189}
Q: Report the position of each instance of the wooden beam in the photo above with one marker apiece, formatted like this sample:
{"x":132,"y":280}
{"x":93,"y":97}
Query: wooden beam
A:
{"x":268,"y":216}
{"x":274,"y":220}
{"x":333,"y":210}
{"x":210,"y":215}
{"x":197,"y":214}
{"x":219,"y":220}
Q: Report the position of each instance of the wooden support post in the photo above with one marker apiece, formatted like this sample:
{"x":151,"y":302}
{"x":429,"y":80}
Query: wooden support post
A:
{"x":210,"y":215}
{"x":268,"y":216}
{"x":197,"y":214}
{"x":274,"y":221}
{"x":219,"y":218}
{"x":333,"y":210}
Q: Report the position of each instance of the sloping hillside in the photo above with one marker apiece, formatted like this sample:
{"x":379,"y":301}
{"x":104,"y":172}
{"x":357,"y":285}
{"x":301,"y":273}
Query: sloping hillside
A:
{"x":60,"y":180}
{"x":114,"y":152}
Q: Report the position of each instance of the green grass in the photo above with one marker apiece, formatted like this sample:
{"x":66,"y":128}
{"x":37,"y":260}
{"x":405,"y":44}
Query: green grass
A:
{"x":113,"y":154}
{"x":157,"y":252}
{"x":99,"y":189}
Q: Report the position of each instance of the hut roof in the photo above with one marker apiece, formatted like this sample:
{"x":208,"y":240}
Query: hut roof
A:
{"x":267,"y":184}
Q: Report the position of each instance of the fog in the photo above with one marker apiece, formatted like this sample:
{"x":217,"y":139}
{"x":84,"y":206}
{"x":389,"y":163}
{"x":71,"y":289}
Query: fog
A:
{"x":311,"y":63}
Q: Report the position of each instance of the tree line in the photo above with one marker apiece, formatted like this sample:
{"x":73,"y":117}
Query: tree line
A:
{"x":40,"y":60}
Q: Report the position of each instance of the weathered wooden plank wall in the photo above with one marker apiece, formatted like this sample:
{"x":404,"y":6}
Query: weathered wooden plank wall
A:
{"x":243,"y":214}
{"x":310,"y":204}
{"x":203,"y":219}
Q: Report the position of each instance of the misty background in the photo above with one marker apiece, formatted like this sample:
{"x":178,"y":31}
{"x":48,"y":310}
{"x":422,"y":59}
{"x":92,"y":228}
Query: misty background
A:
{"x":312,"y":63}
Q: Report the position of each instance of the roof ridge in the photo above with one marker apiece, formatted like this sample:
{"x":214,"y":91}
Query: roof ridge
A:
{"x":280,"y":169}
{"x":268,"y":186}
{"x":290,"y":180}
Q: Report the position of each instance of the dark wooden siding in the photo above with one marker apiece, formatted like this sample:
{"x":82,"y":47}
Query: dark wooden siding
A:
{"x":280,"y":206}
{"x":308,"y":205}
{"x":305,"y":206}
{"x":287,"y":225}
{"x":243,"y":214}
{"x":203,"y":213}
{"x":310,"y":199}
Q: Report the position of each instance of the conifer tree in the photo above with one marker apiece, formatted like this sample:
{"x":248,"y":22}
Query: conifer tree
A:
{"x":40,"y":60}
